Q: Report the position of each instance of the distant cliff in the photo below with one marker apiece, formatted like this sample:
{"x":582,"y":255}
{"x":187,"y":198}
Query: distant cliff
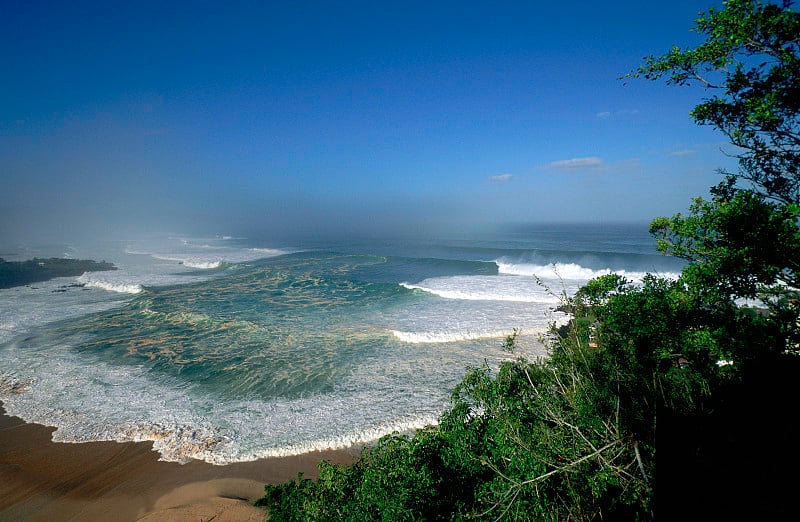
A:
{"x":18,"y":273}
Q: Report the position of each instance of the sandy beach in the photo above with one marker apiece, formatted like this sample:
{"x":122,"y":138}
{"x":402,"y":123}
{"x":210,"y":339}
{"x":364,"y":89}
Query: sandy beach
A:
{"x":41,"y":480}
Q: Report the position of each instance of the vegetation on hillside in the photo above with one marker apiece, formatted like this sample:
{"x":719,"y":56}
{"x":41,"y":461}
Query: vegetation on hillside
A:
{"x":19,"y":273}
{"x":664,"y":399}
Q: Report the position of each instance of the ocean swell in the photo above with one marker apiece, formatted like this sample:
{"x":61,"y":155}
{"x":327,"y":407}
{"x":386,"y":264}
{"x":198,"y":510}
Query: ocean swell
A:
{"x":569,"y":271}
{"x":90,"y":281}
{"x":445,"y":337}
{"x":486,"y":288}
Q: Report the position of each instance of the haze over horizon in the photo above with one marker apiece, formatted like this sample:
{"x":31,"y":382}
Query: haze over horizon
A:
{"x":362,"y":118}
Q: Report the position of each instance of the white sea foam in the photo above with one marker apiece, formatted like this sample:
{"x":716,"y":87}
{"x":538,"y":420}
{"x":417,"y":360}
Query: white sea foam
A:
{"x":485,"y":288}
{"x":92,"y":281}
{"x":205,"y":257}
{"x":82,"y":402}
{"x":568,"y":271}
{"x":190,"y":262}
{"x":446,"y":337}
{"x":201,"y":265}
{"x":267,"y":252}
{"x":26,"y":307}
{"x":555,"y":271}
{"x":42,"y":381}
{"x":355,"y":439}
{"x":431,"y":321}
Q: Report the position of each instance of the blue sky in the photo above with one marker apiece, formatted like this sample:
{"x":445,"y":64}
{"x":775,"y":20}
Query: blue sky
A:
{"x":297,"y":116}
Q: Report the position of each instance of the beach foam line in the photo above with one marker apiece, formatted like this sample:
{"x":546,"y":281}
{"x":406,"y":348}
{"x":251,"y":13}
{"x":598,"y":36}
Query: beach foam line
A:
{"x":177,"y":431}
{"x":355,"y":440}
{"x":131,"y":484}
{"x":183,"y":443}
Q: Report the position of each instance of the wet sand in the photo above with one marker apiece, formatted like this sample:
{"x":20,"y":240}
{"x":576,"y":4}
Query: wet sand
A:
{"x":41,"y":480}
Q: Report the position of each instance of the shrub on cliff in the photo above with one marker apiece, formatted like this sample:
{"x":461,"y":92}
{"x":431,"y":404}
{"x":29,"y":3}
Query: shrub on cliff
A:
{"x":663,"y":399}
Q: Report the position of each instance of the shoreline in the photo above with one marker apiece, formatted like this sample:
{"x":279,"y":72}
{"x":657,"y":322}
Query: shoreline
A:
{"x":124,"y":481}
{"x":39,"y":270}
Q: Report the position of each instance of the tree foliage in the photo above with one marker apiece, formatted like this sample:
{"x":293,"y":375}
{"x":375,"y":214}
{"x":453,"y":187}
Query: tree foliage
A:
{"x":744,"y":242}
{"x":570,"y":437}
{"x":750,"y":64}
{"x":19,"y":273}
{"x":528,"y":441}
{"x":663,"y":399}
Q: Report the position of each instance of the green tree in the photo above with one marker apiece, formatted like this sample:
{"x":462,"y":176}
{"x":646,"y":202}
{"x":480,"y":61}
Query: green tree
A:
{"x":750,"y":64}
{"x":744,"y":241}
{"x":647,"y":417}
{"x":525,"y":441}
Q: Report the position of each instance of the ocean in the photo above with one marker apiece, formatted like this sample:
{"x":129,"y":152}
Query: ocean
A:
{"x":230,"y":349}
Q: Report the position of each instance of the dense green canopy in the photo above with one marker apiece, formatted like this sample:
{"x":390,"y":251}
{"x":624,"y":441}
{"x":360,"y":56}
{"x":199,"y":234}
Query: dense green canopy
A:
{"x":745,"y":240}
{"x":666,"y":399}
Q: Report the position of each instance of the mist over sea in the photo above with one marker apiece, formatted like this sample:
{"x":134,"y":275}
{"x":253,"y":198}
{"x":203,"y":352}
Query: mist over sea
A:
{"x":228,"y":348}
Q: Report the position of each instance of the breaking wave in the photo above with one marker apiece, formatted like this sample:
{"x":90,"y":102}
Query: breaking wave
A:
{"x":190,"y":262}
{"x":445,"y":337}
{"x":324,"y":349}
{"x":568,"y":271}
{"x":89,"y":281}
{"x":485,"y":288}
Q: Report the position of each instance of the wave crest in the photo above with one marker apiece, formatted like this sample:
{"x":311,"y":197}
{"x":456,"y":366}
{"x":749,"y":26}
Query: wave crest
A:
{"x":445,"y":337}
{"x":569,"y":271}
{"x":190,"y":262}
{"x":485,"y":288}
{"x":110,"y":286}
{"x":554,"y":271}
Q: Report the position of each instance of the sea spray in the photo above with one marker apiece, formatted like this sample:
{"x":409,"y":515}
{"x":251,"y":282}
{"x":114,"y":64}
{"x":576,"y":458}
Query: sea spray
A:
{"x":279,"y":351}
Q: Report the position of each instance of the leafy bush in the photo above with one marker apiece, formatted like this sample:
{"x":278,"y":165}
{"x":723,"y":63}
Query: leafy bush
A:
{"x":572,"y":436}
{"x":663,"y":398}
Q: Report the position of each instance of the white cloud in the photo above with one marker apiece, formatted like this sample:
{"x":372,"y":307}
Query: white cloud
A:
{"x":502,"y":178}
{"x":682,"y":153}
{"x":604,"y":115}
{"x":590,"y":162}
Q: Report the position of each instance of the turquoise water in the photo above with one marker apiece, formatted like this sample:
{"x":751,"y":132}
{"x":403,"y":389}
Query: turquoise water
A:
{"x":222,"y":350}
